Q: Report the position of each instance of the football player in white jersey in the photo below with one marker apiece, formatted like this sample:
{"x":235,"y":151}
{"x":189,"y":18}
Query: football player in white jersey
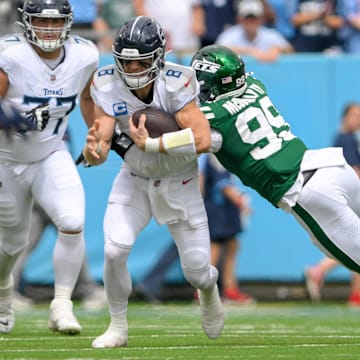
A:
{"x":151,"y":184}
{"x":43,"y":72}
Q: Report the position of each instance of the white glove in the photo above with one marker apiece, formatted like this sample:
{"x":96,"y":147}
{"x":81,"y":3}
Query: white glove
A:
{"x":39,"y":116}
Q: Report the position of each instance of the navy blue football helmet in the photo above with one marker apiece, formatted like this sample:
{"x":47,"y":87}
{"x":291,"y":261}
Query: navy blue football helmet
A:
{"x":140,"y":38}
{"x":43,"y":36}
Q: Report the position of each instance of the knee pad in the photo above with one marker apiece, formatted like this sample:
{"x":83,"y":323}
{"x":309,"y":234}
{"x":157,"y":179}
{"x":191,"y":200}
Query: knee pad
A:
{"x":197,"y":269}
{"x":116,"y":253}
{"x":70,"y":223}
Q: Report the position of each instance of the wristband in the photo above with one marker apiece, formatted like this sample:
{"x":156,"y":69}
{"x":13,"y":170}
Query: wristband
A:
{"x":152,"y":144}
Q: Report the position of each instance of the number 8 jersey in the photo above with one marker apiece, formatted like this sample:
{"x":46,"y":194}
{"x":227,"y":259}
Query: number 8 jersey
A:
{"x":255,"y":137}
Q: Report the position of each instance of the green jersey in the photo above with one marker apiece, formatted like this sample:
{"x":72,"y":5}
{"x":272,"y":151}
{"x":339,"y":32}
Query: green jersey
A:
{"x":258,"y":145}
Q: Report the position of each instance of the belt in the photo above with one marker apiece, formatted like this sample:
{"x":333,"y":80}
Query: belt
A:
{"x":308,"y":175}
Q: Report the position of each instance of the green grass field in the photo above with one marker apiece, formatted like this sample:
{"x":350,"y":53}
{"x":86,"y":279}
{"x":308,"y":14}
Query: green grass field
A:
{"x":266,"y":331}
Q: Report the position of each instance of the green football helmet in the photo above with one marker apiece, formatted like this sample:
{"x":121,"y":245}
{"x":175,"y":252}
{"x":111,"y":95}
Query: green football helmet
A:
{"x":220,"y":72}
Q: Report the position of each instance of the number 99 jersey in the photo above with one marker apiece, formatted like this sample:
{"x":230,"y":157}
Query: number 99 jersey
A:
{"x":255,"y":137}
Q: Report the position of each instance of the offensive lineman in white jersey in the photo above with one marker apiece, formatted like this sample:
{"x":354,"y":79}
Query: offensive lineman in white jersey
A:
{"x":42,"y":73}
{"x":164,"y":185}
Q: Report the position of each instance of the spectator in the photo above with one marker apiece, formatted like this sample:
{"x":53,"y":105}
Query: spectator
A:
{"x":219,"y":15}
{"x":224,"y":204}
{"x":348,"y":139}
{"x":88,"y":22}
{"x":284,"y":10}
{"x":115,"y":13}
{"x":350,"y":33}
{"x":316,"y":24}
{"x":250,"y":37}
{"x":182,"y":20}
{"x":5,"y":15}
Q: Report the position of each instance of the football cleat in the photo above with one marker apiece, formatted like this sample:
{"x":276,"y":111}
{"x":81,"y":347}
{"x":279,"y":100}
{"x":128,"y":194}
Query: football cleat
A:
{"x":7,"y":318}
{"x":112,"y":337}
{"x":62,"y":319}
{"x":212,"y":314}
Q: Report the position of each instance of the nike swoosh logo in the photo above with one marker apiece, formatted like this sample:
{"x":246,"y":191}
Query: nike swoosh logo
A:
{"x":6,"y":323}
{"x":184,"y":182}
{"x":187,"y":83}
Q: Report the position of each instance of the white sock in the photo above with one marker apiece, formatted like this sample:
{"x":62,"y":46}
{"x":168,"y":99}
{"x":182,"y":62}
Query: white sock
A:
{"x":67,"y":258}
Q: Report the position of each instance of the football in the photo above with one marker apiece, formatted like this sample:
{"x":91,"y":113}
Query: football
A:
{"x":157,"y":121}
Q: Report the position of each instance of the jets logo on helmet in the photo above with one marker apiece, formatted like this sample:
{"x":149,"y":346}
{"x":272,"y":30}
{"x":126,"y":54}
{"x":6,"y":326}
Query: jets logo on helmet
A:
{"x":205,"y":66}
{"x":220,"y":72}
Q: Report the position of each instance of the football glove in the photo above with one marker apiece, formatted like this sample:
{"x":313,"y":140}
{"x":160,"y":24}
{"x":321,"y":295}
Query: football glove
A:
{"x":11,"y":120}
{"x":39,"y":116}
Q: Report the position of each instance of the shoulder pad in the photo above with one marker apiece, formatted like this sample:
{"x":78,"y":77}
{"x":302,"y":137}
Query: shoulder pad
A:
{"x":179,"y":77}
{"x":78,"y":40}
{"x":11,"y":40}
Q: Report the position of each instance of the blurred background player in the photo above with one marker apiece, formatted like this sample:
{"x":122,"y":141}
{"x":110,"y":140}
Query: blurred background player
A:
{"x":349,"y":139}
{"x":225,"y":205}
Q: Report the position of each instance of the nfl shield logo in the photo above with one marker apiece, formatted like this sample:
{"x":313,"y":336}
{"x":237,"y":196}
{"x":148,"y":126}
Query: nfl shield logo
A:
{"x":52,"y":77}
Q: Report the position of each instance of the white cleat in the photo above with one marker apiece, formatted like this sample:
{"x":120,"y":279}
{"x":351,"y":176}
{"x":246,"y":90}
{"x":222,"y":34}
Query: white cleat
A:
{"x":212,"y":314}
{"x":7,"y":318}
{"x":111,"y":338}
{"x":62,"y":319}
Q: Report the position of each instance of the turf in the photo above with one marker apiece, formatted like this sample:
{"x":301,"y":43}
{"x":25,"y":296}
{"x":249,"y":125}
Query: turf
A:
{"x":295,"y":331}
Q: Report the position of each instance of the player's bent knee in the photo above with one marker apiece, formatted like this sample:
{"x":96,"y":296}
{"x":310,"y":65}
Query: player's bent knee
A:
{"x":196,"y":267}
{"x":116,"y":253}
{"x":195,"y":259}
{"x":71,"y":224}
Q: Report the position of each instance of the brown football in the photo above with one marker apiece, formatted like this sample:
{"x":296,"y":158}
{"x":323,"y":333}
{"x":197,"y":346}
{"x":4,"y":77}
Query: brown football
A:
{"x":157,"y":121}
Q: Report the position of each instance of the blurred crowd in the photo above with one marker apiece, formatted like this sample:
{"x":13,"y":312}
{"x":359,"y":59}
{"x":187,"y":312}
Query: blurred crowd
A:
{"x":263,"y":29}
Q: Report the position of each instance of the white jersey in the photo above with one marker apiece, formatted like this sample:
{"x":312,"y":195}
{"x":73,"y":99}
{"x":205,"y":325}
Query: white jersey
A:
{"x":32,"y":82}
{"x":175,"y":87}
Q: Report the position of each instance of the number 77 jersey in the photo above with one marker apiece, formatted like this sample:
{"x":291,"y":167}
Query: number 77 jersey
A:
{"x":258,"y":145}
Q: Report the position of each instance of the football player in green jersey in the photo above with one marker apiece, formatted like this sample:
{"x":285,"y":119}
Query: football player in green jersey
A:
{"x":252,"y":140}
{"x":317,"y":186}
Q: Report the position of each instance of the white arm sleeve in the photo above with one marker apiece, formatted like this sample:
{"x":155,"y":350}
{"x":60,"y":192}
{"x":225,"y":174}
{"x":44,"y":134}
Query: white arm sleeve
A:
{"x":216,"y":141}
{"x":179,"y":142}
